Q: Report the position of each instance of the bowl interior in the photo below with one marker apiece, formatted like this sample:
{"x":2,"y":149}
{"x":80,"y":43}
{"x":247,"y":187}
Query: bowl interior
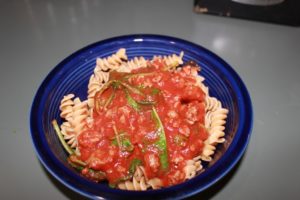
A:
{"x":72,"y":75}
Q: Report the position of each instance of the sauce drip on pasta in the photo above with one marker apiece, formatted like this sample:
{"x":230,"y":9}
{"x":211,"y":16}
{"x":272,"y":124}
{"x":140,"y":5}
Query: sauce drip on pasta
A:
{"x":150,"y":117}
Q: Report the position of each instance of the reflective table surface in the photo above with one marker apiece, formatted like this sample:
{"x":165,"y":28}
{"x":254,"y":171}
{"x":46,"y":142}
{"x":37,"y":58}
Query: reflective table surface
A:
{"x":37,"y":35}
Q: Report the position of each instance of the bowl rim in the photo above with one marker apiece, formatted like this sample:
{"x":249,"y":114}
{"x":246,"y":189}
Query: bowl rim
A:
{"x":229,"y":164}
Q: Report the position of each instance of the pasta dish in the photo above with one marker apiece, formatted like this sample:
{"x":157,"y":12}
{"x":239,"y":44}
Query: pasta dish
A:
{"x":146,"y":124}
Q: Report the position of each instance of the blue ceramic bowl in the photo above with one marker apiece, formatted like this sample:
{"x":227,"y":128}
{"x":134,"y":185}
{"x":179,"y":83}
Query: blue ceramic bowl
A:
{"x":72,"y":75}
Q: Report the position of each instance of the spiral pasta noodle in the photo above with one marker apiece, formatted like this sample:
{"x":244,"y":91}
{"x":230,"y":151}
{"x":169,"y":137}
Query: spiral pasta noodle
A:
{"x":76,"y":120}
{"x":95,"y":84}
{"x":137,"y":183}
{"x":140,"y":182}
{"x":66,"y":105}
{"x":135,"y":63}
{"x":155,"y":183}
{"x":79,"y":116}
{"x":191,"y":168}
{"x":68,"y":131}
{"x":171,"y":61}
{"x":215,"y":120}
{"x":111,"y":62}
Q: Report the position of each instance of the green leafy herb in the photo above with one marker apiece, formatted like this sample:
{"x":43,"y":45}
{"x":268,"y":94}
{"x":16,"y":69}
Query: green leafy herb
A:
{"x":73,"y":158}
{"x":114,"y":142}
{"x":132,"y":89}
{"x":139,"y":75}
{"x":110,"y":99}
{"x":122,"y":141}
{"x":162,"y":142}
{"x":61,"y":138}
{"x":133,"y":165}
{"x":126,"y":145}
{"x":155,"y":91}
{"x":116,"y":84}
{"x":132,"y":102}
{"x":99,"y":101}
{"x":77,"y":167}
{"x":97,"y":175}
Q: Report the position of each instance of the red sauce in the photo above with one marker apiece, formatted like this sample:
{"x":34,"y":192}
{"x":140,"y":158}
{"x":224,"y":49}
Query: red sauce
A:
{"x":125,"y":131}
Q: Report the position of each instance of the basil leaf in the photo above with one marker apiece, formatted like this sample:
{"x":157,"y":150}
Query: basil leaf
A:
{"x":162,"y":141}
{"x":126,"y":144}
{"x":132,"y":102}
{"x":114,"y":142}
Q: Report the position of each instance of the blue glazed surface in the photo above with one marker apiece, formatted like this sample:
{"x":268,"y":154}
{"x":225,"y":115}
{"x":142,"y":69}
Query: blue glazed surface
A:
{"x":72,"y":75}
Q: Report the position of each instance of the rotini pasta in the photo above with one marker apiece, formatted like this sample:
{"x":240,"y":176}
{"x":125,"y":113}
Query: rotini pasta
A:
{"x":66,"y":106}
{"x":68,"y":132}
{"x":75,"y":119}
{"x":215,"y":120}
{"x":170,"y":61}
{"x":111,"y":62}
{"x":138,"y":182}
{"x":79,"y":116}
{"x":95,"y":84}
{"x":191,"y":168}
{"x":112,"y":127}
{"x":155,"y":183}
{"x":135,"y":63}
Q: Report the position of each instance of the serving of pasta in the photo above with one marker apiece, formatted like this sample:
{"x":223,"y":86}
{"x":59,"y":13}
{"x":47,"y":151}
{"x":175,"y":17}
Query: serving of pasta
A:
{"x":145,"y":124}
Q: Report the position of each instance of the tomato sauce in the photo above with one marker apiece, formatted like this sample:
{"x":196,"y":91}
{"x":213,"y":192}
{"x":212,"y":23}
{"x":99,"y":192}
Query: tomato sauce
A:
{"x":150,"y":117}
